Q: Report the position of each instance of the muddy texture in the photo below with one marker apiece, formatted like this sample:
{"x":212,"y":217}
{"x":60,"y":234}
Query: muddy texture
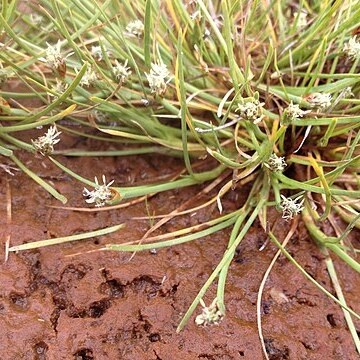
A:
{"x":101,"y":306}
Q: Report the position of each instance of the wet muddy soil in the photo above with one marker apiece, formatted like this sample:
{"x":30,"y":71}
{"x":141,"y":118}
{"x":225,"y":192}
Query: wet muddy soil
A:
{"x":57,"y":305}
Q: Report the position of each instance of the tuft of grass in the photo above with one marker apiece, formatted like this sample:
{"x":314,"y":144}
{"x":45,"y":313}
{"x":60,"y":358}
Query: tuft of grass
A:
{"x":223,"y":85}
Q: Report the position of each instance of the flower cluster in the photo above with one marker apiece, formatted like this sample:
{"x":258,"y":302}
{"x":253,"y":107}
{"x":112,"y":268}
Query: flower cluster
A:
{"x":121,"y":71}
{"x":59,"y":88}
{"x":321,"y":101}
{"x":53,"y":57}
{"x":210,"y":315}
{"x":100,"y":194}
{"x":196,"y":15}
{"x":99,"y":116}
{"x":135,"y":28}
{"x":352,"y":48}
{"x":89,"y":78}
{"x":97,"y":53}
{"x":276,"y":163}
{"x":45,"y":144}
{"x":251,"y":110}
{"x":36,"y":19}
{"x":301,"y":20}
{"x":157,"y":78}
{"x":347,"y":92}
{"x":293,"y":112}
{"x":291,"y":207}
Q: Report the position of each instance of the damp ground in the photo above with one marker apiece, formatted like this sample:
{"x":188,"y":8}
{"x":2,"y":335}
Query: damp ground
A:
{"x":58,"y":304}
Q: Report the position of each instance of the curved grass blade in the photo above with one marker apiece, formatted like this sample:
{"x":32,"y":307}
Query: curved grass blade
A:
{"x":293,"y":261}
{"x":40,"y":181}
{"x":61,"y":240}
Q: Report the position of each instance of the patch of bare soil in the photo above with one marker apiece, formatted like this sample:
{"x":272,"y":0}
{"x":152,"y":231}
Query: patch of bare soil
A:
{"x":100,"y":305}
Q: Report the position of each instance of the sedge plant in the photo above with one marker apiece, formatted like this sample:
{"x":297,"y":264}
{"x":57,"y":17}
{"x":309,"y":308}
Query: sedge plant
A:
{"x":249,"y":92}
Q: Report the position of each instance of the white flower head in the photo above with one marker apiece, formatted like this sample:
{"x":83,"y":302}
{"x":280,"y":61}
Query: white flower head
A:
{"x":344,"y":93}
{"x":100,"y":116}
{"x":135,"y":28}
{"x":276,"y":163}
{"x":291,"y":207}
{"x":100,"y":194}
{"x":97,"y":52}
{"x":293,"y":112}
{"x":59,"y":87}
{"x":347,"y":92}
{"x":157,"y":78}
{"x":251,"y":110}
{"x":196,"y":15}
{"x":210,"y":315}
{"x":89,"y":78}
{"x":206,"y":34}
{"x":45,"y":144}
{"x":301,"y":19}
{"x":321,"y":101}
{"x":36,"y":19}
{"x":54,"y":57}
{"x":352,"y":48}
{"x":159,"y":69}
{"x":121,"y":71}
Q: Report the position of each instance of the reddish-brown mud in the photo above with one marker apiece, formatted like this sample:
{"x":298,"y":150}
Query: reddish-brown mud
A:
{"x":102,"y":306}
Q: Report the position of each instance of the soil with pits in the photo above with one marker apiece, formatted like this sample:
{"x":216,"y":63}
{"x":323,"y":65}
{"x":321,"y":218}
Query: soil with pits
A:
{"x":58,"y":304}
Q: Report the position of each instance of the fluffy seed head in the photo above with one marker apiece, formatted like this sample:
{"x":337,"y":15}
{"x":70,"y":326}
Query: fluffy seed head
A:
{"x":59,"y":87}
{"x":251,"y":110}
{"x":97,"y":53}
{"x":53,"y":56}
{"x":210,"y":315}
{"x":301,"y":20}
{"x":293,"y":112}
{"x":121,"y":71}
{"x":157,"y":78}
{"x":291,"y":207}
{"x":100,"y":194}
{"x":135,"y":28}
{"x":89,"y":78}
{"x":352,"y":48}
{"x":276,"y":163}
{"x":321,"y":101}
{"x":45,"y":144}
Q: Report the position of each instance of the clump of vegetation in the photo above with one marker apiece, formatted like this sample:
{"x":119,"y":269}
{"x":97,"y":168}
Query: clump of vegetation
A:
{"x":260,"y":93}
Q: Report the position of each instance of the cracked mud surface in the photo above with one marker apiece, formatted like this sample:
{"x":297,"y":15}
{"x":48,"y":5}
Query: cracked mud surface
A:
{"x":100,"y":305}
